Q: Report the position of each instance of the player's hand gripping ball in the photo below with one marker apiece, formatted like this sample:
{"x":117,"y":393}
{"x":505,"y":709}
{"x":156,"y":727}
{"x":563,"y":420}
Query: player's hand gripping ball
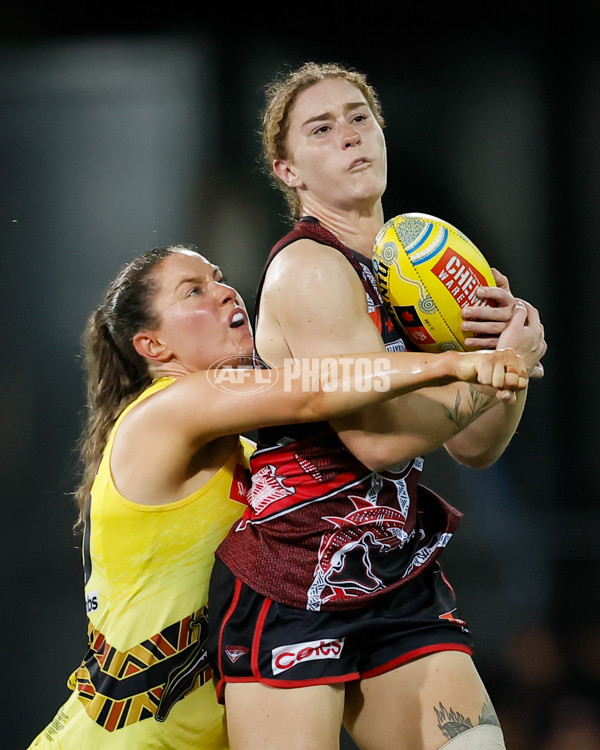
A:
{"x":427,"y":271}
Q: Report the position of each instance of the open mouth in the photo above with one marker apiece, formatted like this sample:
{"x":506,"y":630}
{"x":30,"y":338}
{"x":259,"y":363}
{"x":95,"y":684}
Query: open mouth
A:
{"x":237,"y":320}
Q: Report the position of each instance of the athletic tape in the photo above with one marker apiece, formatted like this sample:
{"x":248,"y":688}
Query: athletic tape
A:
{"x":481,"y":737}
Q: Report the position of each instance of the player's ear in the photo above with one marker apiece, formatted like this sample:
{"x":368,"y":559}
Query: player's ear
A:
{"x":286,"y":173}
{"x":148,"y":345}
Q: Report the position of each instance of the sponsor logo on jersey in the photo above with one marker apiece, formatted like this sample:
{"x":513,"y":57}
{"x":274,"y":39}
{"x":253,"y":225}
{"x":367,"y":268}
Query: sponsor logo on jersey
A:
{"x":286,"y":657}
{"x":91,"y":601}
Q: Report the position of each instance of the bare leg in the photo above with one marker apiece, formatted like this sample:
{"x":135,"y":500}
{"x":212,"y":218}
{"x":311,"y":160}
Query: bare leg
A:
{"x":419,"y":706}
{"x":264,"y":718}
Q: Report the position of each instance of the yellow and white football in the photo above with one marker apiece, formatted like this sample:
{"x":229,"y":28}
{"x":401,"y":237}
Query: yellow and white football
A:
{"x":427,"y":271}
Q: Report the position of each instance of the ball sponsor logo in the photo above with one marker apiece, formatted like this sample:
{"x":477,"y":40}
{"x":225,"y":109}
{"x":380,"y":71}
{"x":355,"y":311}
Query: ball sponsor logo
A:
{"x":382,"y":271}
{"x":412,"y":324}
{"x":459,"y":277}
{"x":286,"y":657}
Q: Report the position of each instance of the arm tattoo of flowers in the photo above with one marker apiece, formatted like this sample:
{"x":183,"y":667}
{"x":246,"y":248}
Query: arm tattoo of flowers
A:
{"x":463,"y":414}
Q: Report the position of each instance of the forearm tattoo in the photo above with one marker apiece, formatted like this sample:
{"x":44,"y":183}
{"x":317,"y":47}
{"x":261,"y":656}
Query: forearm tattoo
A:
{"x":452,"y":723}
{"x":466,"y":411}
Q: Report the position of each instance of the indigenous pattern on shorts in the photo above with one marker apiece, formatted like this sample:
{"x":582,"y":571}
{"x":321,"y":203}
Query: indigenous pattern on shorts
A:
{"x":323,"y":532}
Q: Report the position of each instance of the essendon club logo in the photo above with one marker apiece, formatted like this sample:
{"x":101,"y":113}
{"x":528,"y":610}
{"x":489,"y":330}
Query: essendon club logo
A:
{"x":286,"y":657}
{"x":236,"y":652}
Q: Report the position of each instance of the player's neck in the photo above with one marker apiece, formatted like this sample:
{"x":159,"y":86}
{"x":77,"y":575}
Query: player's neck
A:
{"x":356,"y":229}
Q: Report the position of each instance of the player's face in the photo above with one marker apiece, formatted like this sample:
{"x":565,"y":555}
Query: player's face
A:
{"x":202,"y":319}
{"x":336,"y":148}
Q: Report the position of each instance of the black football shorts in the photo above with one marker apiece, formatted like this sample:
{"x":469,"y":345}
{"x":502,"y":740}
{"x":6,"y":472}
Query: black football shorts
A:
{"x":254,"y":639}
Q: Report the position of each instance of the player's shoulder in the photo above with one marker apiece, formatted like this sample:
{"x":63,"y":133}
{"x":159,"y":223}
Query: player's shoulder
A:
{"x":305,"y":258}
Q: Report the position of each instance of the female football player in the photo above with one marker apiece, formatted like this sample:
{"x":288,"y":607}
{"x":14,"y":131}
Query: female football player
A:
{"x":169,"y":391}
{"x":328,"y":603}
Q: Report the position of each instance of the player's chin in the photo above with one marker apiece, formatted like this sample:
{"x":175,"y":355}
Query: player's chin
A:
{"x":368,"y":186}
{"x":246,"y":351}
{"x":242,"y":338}
{"x":240,"y":351}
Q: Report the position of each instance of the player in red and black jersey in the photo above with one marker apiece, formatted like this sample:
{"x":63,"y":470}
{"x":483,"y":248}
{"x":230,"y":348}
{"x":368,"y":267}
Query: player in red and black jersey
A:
{"x":368,"y":531}
{"x":330,"y":585}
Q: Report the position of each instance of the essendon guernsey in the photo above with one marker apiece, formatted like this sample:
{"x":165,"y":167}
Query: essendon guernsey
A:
{"x":321,"y":531}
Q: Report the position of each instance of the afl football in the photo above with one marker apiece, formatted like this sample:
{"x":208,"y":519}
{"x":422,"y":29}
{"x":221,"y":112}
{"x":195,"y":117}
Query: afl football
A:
{"x":427,"y":271}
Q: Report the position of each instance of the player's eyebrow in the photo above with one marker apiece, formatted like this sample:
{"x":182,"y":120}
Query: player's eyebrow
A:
{"x":188,"y":280}
{"x":199,"y":279}
{"x":328,"y":115}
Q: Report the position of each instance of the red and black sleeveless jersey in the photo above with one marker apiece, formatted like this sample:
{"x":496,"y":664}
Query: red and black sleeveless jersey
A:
{"x":323,"y":532}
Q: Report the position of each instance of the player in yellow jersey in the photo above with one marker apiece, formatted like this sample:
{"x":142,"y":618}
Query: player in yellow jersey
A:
{"x":166,"y":476}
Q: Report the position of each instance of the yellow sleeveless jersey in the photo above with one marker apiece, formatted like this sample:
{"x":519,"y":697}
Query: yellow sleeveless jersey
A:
{"x":145,"y":681}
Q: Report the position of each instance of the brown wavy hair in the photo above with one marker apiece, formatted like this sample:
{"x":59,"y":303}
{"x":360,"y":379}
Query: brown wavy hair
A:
{"x":280,"y":97}
{"x":116,"y":373}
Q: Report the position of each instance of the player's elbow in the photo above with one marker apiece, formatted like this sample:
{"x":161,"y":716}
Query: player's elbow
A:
{"x":475,"y":460}
{"x":477,"y":463}
{"x":316,"y":405}
{"x":379,"y":455}
{"x":379,"y":463}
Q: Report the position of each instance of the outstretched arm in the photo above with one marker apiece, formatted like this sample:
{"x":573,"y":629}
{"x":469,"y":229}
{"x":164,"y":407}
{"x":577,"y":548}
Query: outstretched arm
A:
{"x":163,"y":437}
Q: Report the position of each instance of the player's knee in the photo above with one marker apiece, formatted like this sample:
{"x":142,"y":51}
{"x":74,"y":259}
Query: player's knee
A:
{"x":481,"y":737}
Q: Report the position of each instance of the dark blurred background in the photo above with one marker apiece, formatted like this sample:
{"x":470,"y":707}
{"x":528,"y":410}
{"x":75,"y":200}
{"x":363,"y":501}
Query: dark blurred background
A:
{"x":123,"y":130}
